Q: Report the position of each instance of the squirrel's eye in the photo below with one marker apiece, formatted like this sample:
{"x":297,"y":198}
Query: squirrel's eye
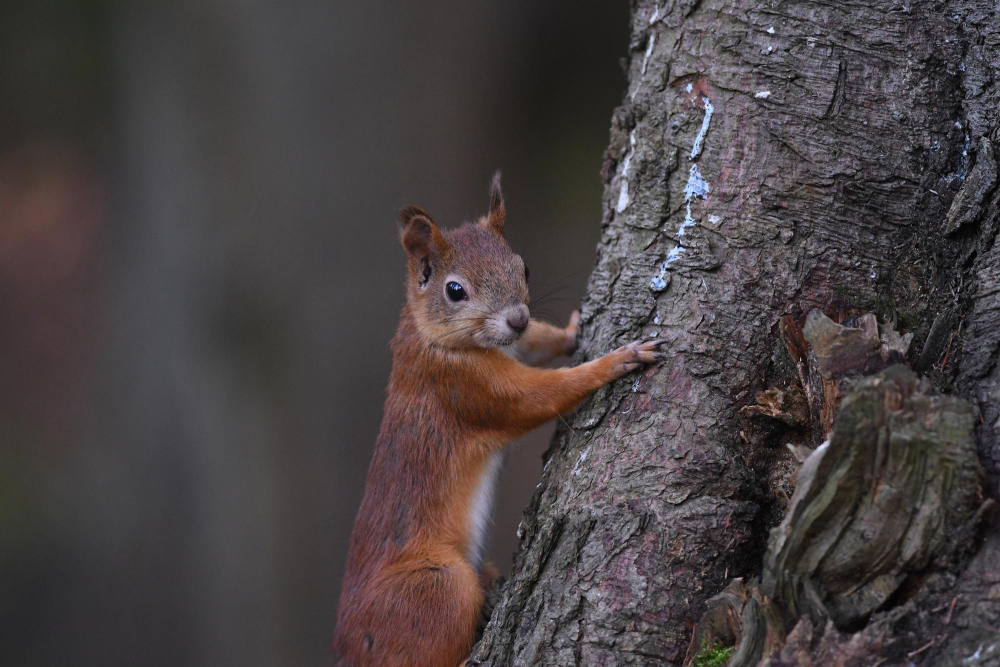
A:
{"x":526,"y":272}
{"x":454,"y":291}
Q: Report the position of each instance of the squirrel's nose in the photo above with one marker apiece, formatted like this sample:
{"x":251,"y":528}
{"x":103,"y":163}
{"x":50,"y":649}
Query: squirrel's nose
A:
{"x":518,"y":320}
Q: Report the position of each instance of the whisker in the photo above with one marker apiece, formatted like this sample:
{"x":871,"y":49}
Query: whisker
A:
{"x":556,"y":290}
{"x":568,"y":276}
{"x":461,"y":319}
{"x":573,"y":301}
{"x":453,"y":332}
{"x":566,"y":424}
{"x":546,"y":317}
{"x":565,"y":279}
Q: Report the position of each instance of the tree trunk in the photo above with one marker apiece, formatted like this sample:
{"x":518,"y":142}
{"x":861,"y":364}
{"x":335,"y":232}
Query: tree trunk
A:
{"x":767,"y":161}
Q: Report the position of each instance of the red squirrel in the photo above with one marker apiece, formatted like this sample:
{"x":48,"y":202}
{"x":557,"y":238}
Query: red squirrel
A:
{"x":460,"y":391}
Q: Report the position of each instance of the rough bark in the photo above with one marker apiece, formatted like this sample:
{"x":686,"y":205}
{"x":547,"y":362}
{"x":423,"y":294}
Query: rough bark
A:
{"x":767,"y":160}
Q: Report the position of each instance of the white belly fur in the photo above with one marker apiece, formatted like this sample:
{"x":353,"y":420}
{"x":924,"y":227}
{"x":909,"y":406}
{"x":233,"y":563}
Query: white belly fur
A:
{"x":481,"y":507}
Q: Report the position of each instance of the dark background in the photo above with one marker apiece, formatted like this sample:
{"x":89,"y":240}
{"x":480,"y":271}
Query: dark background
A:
{"x":200,"y":273}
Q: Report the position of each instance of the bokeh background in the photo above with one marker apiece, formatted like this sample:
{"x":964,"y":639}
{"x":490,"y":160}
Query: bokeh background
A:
{"x":200,"y":273}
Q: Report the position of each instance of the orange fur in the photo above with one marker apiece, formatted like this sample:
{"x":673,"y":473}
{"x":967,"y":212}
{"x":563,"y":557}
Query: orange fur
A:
{"x":413,"y":587}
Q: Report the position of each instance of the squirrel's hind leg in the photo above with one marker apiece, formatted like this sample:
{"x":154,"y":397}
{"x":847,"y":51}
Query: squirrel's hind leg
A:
{"x":424,"y":612}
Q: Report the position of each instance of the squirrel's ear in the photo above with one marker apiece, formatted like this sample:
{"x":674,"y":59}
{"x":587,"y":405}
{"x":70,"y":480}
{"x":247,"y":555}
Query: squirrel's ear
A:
{"x":498,"y":212}
{"x":421,"y":237}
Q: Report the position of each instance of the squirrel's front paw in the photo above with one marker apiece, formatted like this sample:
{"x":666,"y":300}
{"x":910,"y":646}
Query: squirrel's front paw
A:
{"x":635,"y":355}
{"x":570,"y":331}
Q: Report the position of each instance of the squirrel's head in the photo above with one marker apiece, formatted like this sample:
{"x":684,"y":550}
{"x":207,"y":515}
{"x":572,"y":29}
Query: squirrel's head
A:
{"x":466,"y":287}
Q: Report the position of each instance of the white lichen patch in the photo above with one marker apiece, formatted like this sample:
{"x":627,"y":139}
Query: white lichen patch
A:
{"x":645,"y":64}
{"x":688,"y":222}
{"x":714,"y":219}
{"x":579,"y":462}
{"x":658,"y":283}
{"x":763,"y":95}
{"x":623,"y":198}
{"x":980,"y":654}
{"x":674,"y":254}
{"x":699,"y":140}
{"x":696,"y":186}
{"x":770,"y":30}
{"x":649,"y":50}
{"x":975,"y":656}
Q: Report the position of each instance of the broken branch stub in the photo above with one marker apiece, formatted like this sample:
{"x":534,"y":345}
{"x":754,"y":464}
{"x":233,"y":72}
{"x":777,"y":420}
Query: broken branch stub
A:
{"x":843,"y":350}
{"x":838,"y":351}
{"x":876,"y":502}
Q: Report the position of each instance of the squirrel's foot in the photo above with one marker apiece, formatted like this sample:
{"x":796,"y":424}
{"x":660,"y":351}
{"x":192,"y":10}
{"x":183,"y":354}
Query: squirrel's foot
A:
{"x":570,"y":331}
{"x":637,"y":354}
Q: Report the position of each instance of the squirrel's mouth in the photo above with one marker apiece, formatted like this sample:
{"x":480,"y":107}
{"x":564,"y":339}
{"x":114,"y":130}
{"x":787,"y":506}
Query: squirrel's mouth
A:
{"x":505,"y":340}
{"x":506,"y":325}
{"x":498,"y":334}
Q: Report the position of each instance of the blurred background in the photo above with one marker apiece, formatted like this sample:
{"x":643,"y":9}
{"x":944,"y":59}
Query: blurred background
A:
{"x":200,"y":273}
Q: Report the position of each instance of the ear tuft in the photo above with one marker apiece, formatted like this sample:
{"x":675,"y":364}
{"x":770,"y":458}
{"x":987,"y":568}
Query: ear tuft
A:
{"x":411,"y":211}
{"x":498,"y":211}
{"x":421,"y":237}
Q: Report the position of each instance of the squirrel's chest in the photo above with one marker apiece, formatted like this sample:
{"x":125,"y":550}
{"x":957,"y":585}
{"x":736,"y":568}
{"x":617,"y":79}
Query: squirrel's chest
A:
{"x":481,"y":507}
